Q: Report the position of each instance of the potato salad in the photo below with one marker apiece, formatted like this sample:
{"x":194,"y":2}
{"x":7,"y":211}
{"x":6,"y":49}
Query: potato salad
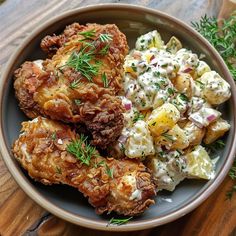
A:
{"x":171,"y":98}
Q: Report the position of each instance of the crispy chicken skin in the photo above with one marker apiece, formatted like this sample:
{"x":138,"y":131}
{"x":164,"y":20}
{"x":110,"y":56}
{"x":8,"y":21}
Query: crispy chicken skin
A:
{"x":42,"y":150}
{"x":59,"y":91}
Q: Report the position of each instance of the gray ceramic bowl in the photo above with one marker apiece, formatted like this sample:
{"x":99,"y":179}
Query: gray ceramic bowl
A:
{"x":67,"y":202}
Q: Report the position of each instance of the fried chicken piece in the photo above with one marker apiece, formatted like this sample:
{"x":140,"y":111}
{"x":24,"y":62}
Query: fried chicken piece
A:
{"x":123,"y":186}
{"x":70,"y":89}
{"x":108,"y":44}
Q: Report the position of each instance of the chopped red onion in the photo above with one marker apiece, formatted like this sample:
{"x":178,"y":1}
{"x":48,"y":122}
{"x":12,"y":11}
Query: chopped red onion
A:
{"x":128,"y":106}
{"x":199,"y":125}
{"x":211,"y":118}
{"x":187,"y":70}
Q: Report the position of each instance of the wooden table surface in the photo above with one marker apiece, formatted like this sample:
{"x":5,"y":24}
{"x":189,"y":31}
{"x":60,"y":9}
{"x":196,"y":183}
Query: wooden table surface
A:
{"x":19,"y":215}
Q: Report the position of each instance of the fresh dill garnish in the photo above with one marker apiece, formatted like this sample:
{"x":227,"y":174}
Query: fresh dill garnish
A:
{"x":105,"y":80}
{"x":74,"y":84}
{"x":105,"y":37}
{"x":215,"y":146}
{"x":109,"y":171}
{"x":137,"y":116}
{"x":100,"y":163}
{"x":88,"y":34}
{"x":54,"y":136}
{"x":58,"y":170}
{"x":81,"y":149}
{"x":77,"y":102}
{"x":168,"y":137}
{"x":84,"y":62}
{"x":114,"y":221}
{"x":223,"y":39}
{"x":104,"y":50}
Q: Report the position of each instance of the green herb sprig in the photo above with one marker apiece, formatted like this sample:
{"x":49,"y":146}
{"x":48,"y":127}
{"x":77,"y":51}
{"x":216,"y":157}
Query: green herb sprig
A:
{"x":82,"y":150}
{"x":118,"y":222}
{"x":84,"y":62}
{"x":223,"y":39}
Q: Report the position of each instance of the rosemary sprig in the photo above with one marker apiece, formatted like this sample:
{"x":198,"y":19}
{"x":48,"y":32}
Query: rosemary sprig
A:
{"x":82,"y":150}
{"x":118,"y":222}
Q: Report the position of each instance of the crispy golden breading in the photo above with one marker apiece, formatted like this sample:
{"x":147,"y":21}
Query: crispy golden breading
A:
{"x":123,"y":186}
{"x":59,"y":91}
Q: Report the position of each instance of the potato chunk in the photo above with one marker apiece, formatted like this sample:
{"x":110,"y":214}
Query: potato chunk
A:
{"x":213,"y":88}
{"x":194,"y":133}
{"x":216,"y":130}
{"x":182,"y":83}
{"x":149,"y":40}
{"x":163,"y":119}
{"x":140,"y":143}
{"x":199,"y":164}
{"x":167,"y":173}
{"x":173,"y":45}
{"x":173,"y":139}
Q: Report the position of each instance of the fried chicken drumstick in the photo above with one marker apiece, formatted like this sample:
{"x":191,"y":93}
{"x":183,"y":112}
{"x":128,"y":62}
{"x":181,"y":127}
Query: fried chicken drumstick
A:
{"x":52,"y":153}
{"x":79,"y":83}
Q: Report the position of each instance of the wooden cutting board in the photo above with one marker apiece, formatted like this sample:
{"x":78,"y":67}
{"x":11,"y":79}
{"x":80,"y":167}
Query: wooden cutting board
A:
{"x":19,"y":215}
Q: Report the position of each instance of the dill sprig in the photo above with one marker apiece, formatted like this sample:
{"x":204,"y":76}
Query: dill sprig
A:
{"x":81,"y":149}
{"x":84,"y":62}
{"x":74,"y":84}
{"x":114,"y":221}
{"x":105,"y":80}
{"x":88,"y":34}
{"x":223,"y":39}
{"x":105,"y":37}
{"x":109,"y":171}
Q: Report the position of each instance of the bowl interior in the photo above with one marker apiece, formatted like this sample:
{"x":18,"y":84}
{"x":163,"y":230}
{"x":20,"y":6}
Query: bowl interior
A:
{"x":133,"y":23}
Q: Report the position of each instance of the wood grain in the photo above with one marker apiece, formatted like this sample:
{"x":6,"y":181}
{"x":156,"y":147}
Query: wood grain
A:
{"x":19,"y":215}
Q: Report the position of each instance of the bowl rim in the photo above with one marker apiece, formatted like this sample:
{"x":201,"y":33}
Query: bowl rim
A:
{"x":97,"y":224}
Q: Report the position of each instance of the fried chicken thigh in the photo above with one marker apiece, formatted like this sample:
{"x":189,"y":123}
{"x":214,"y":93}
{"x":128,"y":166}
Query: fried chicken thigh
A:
{"x":79,"y":83}
{"x":123,"y":186}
